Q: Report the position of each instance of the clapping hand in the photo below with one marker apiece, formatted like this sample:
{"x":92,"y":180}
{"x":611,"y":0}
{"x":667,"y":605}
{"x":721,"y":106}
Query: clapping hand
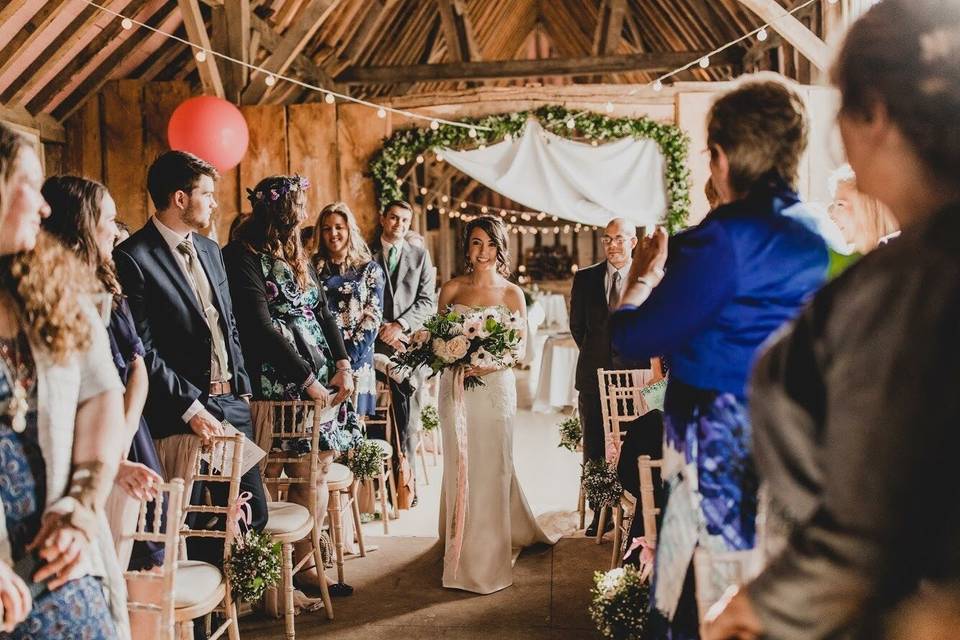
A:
{"x":15,"y":600}
{"x":650,"y":256}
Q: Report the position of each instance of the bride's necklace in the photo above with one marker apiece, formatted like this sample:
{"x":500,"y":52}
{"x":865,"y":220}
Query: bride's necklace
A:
{"x":18,"y":405}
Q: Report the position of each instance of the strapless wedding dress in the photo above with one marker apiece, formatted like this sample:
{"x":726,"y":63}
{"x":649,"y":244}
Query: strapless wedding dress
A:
{"x":498,"y":517}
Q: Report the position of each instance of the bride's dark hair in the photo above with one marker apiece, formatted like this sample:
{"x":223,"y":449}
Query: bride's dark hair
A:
{"x":496,"y":230}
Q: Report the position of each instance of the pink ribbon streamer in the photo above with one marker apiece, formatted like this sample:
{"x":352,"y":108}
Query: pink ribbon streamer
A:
{"x":646,"y":555}
{"x":240,"y":512}
{"x":453,"y":551}
{"x":612,"y":448}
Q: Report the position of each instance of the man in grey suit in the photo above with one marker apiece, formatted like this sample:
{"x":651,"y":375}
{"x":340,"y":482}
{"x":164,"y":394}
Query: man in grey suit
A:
{"x":409,"y":298}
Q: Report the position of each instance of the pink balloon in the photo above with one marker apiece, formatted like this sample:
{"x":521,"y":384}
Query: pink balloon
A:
{"x":210,"y":128}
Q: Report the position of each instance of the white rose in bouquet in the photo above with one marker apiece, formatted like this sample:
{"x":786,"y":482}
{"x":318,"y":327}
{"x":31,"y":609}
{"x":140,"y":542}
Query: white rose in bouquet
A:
{"x":420,"y":337}
{"x":457,"y":347}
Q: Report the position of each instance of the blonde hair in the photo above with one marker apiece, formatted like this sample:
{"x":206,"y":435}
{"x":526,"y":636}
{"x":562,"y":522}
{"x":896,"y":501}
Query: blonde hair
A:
{"x":871,"y":218}
{"x":358,"y":253}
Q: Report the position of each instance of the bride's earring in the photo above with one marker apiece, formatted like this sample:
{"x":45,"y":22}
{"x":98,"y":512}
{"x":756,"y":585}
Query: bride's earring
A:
{"x":469,"y":266}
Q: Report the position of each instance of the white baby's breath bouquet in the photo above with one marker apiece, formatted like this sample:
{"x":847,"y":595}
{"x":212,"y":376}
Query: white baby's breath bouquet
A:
{"x":620,"y":600}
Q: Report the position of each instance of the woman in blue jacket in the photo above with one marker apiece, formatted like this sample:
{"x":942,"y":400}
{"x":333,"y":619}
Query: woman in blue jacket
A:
{"x":728,"y":284}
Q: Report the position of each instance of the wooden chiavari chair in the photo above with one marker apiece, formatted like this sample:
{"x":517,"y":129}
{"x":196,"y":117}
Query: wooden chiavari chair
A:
{"x":150,"y":594}
{"x":385,"y":482}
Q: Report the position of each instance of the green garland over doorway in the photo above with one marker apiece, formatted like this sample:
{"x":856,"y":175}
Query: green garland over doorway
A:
{"x":405,"y":145}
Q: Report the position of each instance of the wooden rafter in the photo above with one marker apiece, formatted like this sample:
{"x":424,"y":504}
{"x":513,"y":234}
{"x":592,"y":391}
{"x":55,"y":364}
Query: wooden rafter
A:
{"x":28,"y":34}
{"x":237,"y":30}
{"x":197,"y":32}
{"x":305,"y":68}
{"x":372,"y":20}
{"x":457,"y":31}
{"x":793,"y":31}
{"x":609,"y":27}
{"x":289,"y":47}
{"x":50,"y":129}
{"x":462,"y":71}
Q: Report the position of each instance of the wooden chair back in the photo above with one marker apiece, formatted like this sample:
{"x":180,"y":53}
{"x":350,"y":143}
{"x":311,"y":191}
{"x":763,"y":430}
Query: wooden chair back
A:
{"x":295,"y":430}
{"x":219,"y":461}
{"x":648,"y":507}
{"x":150,"y":593}
{"x":621,"y":397}
{"x":384,"y":411}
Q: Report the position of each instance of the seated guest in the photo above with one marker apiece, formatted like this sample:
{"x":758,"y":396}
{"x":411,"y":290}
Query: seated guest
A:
{"x":176,"y":286}
{"x":83,"y":217}
{"x":60,"y":408}
{"x":291,"y":342}
{"x":354,"y":288}
{"x":863,"y":221}
{"x":855,"y":408}
{"x":596,"y":291}
{"x":728,"y":283}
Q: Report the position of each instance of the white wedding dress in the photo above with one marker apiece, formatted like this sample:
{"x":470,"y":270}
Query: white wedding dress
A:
{"x":497,"y":516}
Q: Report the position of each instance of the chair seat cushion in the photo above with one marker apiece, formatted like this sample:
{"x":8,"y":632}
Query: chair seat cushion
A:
{"x":284,"y":517}
{"x":384,"y":447}
{"x":194,"y":583}
{"x":339,"y":473}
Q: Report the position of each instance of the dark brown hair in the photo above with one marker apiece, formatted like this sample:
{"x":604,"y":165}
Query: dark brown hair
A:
{"x":45,"y":283}
{"x":762,"y":128}
{"x":497,"y":231}
{"x":175,"y":171}
{"x":273,"y":227}
{"x":400,"y":204}
{"x":905,"y":55}
{"x":75,"y":208}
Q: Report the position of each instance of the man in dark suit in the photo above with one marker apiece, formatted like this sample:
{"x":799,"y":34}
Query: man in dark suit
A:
{"x":409,"y":298}
{"x":596,"y":290}
{"x":176,"y":284}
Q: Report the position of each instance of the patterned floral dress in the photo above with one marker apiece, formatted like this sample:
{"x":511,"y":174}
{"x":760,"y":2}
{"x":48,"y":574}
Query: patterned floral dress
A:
{"x":78,"y":609}
{"x":292,"y":313}
{"x":355,"y":297}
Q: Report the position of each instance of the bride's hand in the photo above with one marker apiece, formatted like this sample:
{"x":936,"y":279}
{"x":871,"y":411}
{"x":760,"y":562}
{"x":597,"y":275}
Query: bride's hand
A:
{"x":477,"y":372}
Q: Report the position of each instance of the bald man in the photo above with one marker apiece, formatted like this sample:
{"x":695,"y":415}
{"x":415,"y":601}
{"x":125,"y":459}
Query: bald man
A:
{"x":596,"y":290}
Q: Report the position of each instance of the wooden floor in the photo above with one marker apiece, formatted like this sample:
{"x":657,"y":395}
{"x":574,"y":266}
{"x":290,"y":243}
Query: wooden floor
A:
{"x":398,"y":597}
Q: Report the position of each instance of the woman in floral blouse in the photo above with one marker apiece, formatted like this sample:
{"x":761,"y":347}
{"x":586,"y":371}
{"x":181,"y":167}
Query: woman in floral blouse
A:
{"x":354,"y":286}
{"x":291,"y":344}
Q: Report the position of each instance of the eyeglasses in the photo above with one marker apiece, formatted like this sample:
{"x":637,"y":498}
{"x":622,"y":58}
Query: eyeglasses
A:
{"x":621,"y":240}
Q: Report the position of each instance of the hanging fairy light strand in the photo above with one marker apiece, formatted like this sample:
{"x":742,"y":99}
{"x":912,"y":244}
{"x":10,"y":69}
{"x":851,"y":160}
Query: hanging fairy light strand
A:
{"x":271,"y":78}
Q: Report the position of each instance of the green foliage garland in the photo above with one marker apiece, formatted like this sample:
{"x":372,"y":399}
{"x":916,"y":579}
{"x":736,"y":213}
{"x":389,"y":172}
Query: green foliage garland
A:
{"x":406,"y":144}
{"x":619,"y":605}
{"x":571,"y":433}
{"x":254,"y":565}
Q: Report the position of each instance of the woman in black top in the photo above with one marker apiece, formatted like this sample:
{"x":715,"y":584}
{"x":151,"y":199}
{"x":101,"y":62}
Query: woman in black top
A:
{"x":291,"y":344}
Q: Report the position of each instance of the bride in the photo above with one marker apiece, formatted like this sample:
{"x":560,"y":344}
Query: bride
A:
{"x":483,"y":512}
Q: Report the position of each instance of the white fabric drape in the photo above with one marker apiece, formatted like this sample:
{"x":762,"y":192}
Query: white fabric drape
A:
{"x":573,"y":180}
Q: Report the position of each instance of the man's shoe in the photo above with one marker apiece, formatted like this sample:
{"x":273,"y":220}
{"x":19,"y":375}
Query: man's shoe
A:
{"x":591,"y":531}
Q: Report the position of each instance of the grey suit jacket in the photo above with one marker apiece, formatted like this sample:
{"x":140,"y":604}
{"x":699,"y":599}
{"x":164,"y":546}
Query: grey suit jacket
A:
{"x":409,"y":294}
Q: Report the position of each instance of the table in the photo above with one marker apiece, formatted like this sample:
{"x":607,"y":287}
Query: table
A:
{"x":556,"y":387}
{"x":555,"y":311}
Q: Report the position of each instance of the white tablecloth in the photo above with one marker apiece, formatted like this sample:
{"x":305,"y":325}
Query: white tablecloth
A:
{"x":558,"y":372}
{"x":555,"y":312}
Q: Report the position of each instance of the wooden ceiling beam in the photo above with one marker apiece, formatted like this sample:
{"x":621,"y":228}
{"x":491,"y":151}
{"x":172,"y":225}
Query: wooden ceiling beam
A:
{"x":457,"y":31}
{"x":290,"y":45}
{"x":606,"y":38}
{"x":10,"y":54}
{"x":50,"y":129}
{"x":237,"y":26}
{"x":793,"y":31}
{"x":309,"y":71}
{"x":464,"y":71}
{"x":371,"y":23}
{"x":197,"y":34}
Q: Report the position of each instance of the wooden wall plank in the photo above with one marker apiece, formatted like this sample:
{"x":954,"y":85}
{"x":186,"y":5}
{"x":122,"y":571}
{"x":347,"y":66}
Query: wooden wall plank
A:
{"x":266,"y":154}
{"x":124,"y":169}
{"x":359,"y":135}
{"x":312,"y":145}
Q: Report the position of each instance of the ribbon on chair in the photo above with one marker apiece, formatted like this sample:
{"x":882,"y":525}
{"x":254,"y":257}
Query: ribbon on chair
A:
{"x":453,"y":551}
{"x":612,"y":448}
{"x":647,"y":553}
{"x":240,"y":513}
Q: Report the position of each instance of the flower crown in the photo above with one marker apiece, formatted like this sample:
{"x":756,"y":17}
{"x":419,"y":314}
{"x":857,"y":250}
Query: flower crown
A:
{"x":286,"y":185}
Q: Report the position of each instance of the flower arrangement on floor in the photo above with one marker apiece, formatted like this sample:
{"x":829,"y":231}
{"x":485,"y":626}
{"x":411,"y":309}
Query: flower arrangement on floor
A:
{"x":620,"y":600}
{"x":365,"y":460}
{"x":254,"y":565}
{"x":487,"y":338}
{"x":600,"y":483}
{"x":429,"y":418}
{"x":571,"y":433}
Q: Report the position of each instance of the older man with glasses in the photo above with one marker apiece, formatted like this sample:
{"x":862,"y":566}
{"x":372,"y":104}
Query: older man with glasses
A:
{"x":596,"y":291}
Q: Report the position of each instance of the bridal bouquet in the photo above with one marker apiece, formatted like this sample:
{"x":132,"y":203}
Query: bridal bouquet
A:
{"x":484,"y":338}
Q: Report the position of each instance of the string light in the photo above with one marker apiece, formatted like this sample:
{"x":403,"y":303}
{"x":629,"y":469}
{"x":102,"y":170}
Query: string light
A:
{"x":423,"y":191}
{"x":704,"y":62}
{"x":381,"y":113}
{"x":444,"y":199}
{"x":472,"y":132}
{"x":200,"y":55}
{"x":571,"y":124}
{"x":329,"y":98}
{"x":439,"y":157}
{"x":484,"y":209}
{"x":270,"y":80}
{"x":419,"y":159}
{"x":762,"y":35}
{"x":126,"y":23}
{"x":609,"y":107}
{"x":435,"y":122}
{"x":657,"y":85}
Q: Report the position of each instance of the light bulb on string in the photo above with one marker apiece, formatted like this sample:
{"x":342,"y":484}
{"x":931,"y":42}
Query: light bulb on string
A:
{"x":381,"y":113}
{"x":402,"y":161}
{"x":329,"y":98}
{"x":444,"y":199}
{"x":657,"y":85}
{"x":442,"y":210}
{"x":423,"y":191}
{"x":126,"y":23}
{"x":513,"y":218}
{"x":439,"y":157}
{"x":571,"y":124}
{"x":463,"y":205}
{"x":472,"y":132}
{"x":566,"y":228}
{"x":434,"y":125}
{"x":556,"y":229}
{"x":200,"y":55}
{"x":762,"y":35}
{"x":525,"y":216}
{"x":555,"y":218}
{"x":484,"y":209}
{"x":399,"y":182}
{"x":429,"y":207}
{"x":704,"y":62}
{"x":609,"y":107}
{"x":419,"y":159}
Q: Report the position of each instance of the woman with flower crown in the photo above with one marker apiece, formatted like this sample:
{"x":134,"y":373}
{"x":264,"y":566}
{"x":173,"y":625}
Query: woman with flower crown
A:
{"x":483,"y":512}
{"x":291,"y":344}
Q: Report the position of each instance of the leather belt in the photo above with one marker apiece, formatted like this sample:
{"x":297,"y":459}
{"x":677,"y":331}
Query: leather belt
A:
{"x":220,"y":388}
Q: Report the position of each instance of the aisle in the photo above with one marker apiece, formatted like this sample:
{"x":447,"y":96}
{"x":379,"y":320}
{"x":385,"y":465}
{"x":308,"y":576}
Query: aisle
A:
{"x":398,"y":593}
